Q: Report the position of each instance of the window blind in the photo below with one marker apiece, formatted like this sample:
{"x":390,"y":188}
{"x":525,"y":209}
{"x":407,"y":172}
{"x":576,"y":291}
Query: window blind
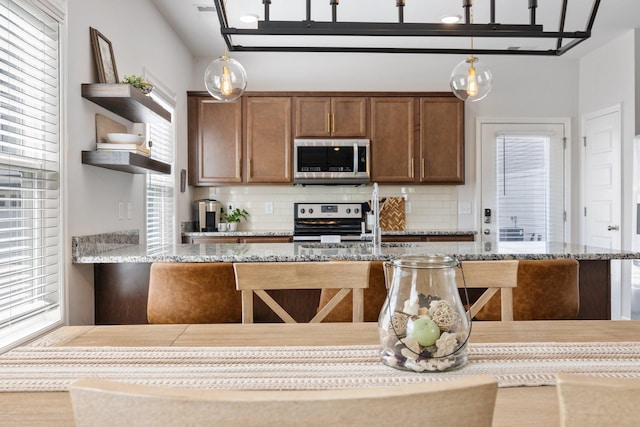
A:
{"x":160,"y":187}
{"x":529,"y":192}
{"x":30,"y":284}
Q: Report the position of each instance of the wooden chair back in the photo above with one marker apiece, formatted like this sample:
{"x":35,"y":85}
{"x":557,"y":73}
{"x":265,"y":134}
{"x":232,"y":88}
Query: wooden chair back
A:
{"x":598,"y":402}
{"x":259,"y":277}
{"x":199,"y":292}
{"x":496,"y":276}
{"x":457,"y":402}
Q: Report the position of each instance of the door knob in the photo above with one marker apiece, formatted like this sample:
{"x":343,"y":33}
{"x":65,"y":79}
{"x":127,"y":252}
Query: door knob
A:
{"x":613,"y":227}
{"x":487,"y":231}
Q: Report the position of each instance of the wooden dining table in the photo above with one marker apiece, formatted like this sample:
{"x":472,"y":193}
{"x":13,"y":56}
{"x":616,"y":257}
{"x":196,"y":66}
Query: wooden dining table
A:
{"x":521,"y":406}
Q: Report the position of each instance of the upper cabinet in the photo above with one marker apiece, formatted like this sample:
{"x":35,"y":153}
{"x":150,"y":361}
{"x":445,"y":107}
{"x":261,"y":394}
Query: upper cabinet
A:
{"x":247,"y":141}
{"x":441,"y":140}
{"x":416,"y":138}
{"x":215,"y":141}
{"x":323,"y":117}
{"x":423,"y":137}
{"x":268,"y":139}
{"x":392,"y":139}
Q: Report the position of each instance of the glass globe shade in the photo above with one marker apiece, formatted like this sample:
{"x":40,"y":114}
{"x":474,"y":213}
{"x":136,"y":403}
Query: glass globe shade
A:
{"x":225,"y":79}
{"x":471,"y":80}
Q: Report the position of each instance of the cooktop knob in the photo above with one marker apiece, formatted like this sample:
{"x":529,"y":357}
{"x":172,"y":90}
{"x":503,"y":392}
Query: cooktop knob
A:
{"x":348,"y":210}
{"x":310,"y":210}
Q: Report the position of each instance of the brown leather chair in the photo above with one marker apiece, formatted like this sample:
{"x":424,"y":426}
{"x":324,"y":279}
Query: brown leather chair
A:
{"x":182,"y":292}
{"x":547,"y":290}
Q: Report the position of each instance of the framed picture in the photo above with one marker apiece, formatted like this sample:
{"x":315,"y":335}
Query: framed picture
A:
{"x":103,"y":55}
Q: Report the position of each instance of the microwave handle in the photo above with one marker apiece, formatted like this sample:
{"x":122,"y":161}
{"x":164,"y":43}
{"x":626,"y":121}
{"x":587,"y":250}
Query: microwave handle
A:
{"x":355,"y":158}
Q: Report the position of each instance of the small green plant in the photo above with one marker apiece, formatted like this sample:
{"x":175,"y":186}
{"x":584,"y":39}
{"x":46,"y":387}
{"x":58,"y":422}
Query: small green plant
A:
{"x":236,"y":215}
{"x":136,"y":81}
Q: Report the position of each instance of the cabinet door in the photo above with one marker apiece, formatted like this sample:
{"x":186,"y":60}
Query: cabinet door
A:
{"x":319,"y":116}
{"x":268,"y":133}
{"x":313,"y":116}
{"x":442,"y":140}
{"x":215,"y":142}
{"x":392,"y":139}
{"x":349,"y":117}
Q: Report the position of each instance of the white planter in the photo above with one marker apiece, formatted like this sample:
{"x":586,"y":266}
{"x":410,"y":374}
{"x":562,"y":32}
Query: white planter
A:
{"x":233,"y":226}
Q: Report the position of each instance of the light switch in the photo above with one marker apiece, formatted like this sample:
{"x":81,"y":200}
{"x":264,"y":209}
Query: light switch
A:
{"x":129,"y":210}
{"x":120,"y":210}
{"x":268,"y":208}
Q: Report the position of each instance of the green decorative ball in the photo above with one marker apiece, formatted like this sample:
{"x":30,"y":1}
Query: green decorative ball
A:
{"x":424,"y":330}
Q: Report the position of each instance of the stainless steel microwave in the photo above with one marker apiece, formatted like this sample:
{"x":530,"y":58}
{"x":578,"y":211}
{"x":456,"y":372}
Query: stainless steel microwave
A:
{"x":331,"y":161}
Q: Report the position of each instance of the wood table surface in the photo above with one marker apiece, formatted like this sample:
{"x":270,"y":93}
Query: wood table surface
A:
{"x":515,"y":406}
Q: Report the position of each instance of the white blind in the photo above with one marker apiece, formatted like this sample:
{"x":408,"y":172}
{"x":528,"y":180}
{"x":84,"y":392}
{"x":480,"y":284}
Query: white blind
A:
{"x":529,"y":187}
{"x":29,"y":170}
{"x":160,"y":188}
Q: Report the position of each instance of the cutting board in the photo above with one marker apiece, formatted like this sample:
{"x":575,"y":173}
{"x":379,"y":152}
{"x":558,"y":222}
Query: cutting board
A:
{"x":105,"y":125}
{"x":392,"y":214}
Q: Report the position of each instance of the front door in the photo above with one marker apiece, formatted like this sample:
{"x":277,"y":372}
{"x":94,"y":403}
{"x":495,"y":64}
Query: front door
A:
{"x":524,"y":185}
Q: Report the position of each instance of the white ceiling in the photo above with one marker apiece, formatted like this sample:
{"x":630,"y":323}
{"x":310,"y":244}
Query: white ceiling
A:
{"x":200,"y":31}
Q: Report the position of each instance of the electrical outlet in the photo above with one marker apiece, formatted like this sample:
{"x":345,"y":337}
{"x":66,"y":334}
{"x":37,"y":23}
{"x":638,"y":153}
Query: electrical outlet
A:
{"x":268,"y":208}
{"x":407,"y":207}
{"x":120,"y":210}
{"x":231,"y":207}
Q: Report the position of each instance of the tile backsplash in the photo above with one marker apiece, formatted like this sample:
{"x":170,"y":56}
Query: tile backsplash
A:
{"x":428,"y":207}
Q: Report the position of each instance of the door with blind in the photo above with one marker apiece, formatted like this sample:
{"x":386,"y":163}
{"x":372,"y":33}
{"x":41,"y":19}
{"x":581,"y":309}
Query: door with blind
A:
{"x":524,"y":184}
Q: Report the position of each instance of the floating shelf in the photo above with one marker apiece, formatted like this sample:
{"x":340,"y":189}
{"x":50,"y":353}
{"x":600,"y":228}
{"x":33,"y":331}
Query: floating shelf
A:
{"x":125,"y":161}
{"x":126,"y":101}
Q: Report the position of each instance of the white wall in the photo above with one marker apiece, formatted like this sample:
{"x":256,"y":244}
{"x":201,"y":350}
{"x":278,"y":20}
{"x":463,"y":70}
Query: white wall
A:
{"x":141,"y":39}
{"x":523,"y":87}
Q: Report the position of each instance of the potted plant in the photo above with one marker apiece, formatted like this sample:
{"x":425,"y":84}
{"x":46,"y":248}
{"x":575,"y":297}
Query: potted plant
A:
{"x":234,"y":217}
{"x":136,"y":81}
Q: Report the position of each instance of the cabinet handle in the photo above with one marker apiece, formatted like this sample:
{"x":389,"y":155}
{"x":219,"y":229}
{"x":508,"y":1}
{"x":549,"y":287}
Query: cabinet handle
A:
{"x":412,"y":168}
{"x":422,"y":169}
{"x":329,"y":123}
{"x":333,"y":123}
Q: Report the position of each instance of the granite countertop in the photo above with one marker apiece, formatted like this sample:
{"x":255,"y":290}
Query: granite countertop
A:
{"x":94,"y":250}
{"x":290,"y":233}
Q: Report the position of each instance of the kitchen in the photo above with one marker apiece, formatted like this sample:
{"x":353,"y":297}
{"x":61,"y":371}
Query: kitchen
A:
{"x":96,"y":201}
{"x":555,"y":87}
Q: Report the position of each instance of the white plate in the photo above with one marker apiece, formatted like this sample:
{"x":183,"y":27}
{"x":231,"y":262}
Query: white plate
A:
{"x":124,"y":138}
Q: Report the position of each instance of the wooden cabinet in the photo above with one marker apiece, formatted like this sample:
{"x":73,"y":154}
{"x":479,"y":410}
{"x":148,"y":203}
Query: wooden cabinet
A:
{"x":215,"y":141}
{"x":237,"y":239}
{"x":441,"y":140}
{"x":417,"y":140}
{"x":268,"y":139}
{"x":318,"y":116}
{"x":392,"y":139}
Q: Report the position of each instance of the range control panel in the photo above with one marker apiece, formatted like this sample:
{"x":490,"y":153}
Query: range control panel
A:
{"x":328,"y":210}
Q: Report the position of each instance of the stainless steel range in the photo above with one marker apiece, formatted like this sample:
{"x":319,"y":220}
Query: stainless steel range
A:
{"x":328,"y":222}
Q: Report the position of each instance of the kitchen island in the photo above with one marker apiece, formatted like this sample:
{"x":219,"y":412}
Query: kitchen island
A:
{"x":121,"y":269}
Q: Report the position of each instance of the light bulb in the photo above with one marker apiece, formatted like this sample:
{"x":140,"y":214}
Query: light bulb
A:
{"x":225,"y":79}
{"x":225,"y":84}
{"x":472,"y":81}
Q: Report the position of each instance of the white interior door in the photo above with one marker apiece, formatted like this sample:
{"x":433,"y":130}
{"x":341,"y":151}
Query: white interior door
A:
{"x":524,"y":188}
{"x":602,"y":179}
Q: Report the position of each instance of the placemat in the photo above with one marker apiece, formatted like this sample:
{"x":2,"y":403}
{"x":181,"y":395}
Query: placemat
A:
{"x":301,"y":367}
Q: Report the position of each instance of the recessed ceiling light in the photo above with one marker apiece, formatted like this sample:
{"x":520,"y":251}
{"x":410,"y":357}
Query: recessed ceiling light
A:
{"x":451,"y":19}
{"x":249,"y":18}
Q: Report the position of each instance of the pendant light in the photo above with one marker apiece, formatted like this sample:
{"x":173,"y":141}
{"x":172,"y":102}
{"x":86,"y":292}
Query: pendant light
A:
{"x":471,"y":80}
{"x":225,"y":78}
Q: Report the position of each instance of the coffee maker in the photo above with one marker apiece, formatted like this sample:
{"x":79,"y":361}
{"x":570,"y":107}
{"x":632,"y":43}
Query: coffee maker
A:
{"x":208,"y":214}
